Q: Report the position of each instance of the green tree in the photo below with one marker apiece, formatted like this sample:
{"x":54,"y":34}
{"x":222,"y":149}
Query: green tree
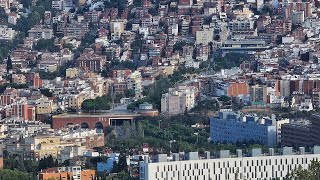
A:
{"x":26,"y":3}
{"x":154,"y":10}
{"x":122,"y":164}
{"x":20,"y":166}
{"x":224,"y":98}
{"x":89,"y":105}
{"x":31,"y":166}
{"x":137,"y":3}
{"x":99,"y":103}
{"x":24,"y":24}
{"x":129,"y":93}
{"x":7,"y":174}
{"x":87,"y":40}
{"x":46,"y":162}
{"x":9,"y":63}
{"x":136,"y":45}
{"x":311,"y":173}
{"x":119,"y":4}
{"x":95,"y":160}
{"x":68,"y":46}
{"x":179,"y":45}
{"x":45,"y":44}
{"x":46,"y":92}
{"x":13,"y":9}
{"x":123,"y":175}
{"x":3,"y":14}
{"x":266,"y":9}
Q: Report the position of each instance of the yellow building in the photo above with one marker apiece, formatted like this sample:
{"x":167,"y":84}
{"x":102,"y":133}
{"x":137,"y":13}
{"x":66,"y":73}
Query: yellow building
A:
{"x":117,"y":26}
{"x":75,"y":101}
{"x":100,"y":87}
{"x":72,"y":72}
{"x":44,"y":107}
{"x":45,"y":146}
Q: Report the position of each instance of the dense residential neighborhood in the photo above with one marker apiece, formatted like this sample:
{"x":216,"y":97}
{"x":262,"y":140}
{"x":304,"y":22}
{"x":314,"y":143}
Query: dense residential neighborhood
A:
{"x":159,"y":89}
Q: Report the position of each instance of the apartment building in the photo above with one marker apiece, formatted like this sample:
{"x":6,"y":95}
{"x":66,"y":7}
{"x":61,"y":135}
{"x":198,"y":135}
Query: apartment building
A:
{"x":134,"y":82}
{"x":40,"y":33}
{"x":255,"y":166}
{"x":230,"y":88}
{"x":240,"y":24}
{"x":116,"y":29}
{"x":77,"y":30}
{"x":256,"y":93}
{"x":57,"y":5}
{"x":35,"y":148}
{"x":231,"y":127}
{"x":72,"y":73}
{"x":123,"y":74}
{"x":6,"y":33}
{"x":6,"y":4}
{"x":75,"y":100}
{"x":297,"y":134}
{"x":91,"y":62}
{"x":119,"y":87}
{"x":65,"y":173}
{"x":44,"y":107}
{"x":204,"y":36}
{"x":279,"y":26}
{"x":19,"y":79}
{"x":178,"y":100}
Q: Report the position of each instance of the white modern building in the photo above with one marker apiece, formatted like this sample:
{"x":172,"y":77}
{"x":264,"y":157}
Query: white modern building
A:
{"x":232,"y":127}
{"x":255,"y":166}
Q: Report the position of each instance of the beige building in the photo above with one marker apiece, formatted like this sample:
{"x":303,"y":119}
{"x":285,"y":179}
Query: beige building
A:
{"x":134,"y":82}
{"x":44,"y":107}
{"x":177,"y":101}
{"x":19,"y":79}
{"x":72,"y":72}
{"x":41,"y":146}
{"x":204,"y":36}
{"x":116,"y":28}
{"x":75,"y":100}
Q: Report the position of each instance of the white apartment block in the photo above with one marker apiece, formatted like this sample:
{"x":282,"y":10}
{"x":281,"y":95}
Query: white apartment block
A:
{"x":6,"y":4}
{"x":40,"y":33}
{"x":6,"y":33}
{"x":241,"y":24}
{"x":177,"y":101}
{"x":255,"y":167}
{"x":57,"y":5}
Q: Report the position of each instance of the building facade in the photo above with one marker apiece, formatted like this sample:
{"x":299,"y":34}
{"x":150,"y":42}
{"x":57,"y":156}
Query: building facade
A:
{"x":230,"y":127}
{"x":177,"y":101}
{"x":254,"y":167}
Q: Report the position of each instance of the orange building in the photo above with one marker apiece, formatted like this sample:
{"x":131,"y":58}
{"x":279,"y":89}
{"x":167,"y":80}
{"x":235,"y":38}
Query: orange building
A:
{"x":37,"y":81}
{"x":1,"y":162}
{"x":64,"y":173}
{"x":237,"y":88}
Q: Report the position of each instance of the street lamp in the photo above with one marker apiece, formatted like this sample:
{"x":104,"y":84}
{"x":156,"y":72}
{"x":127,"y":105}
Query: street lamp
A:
{"x":197,"y":136}
{"x":170,"y":142}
